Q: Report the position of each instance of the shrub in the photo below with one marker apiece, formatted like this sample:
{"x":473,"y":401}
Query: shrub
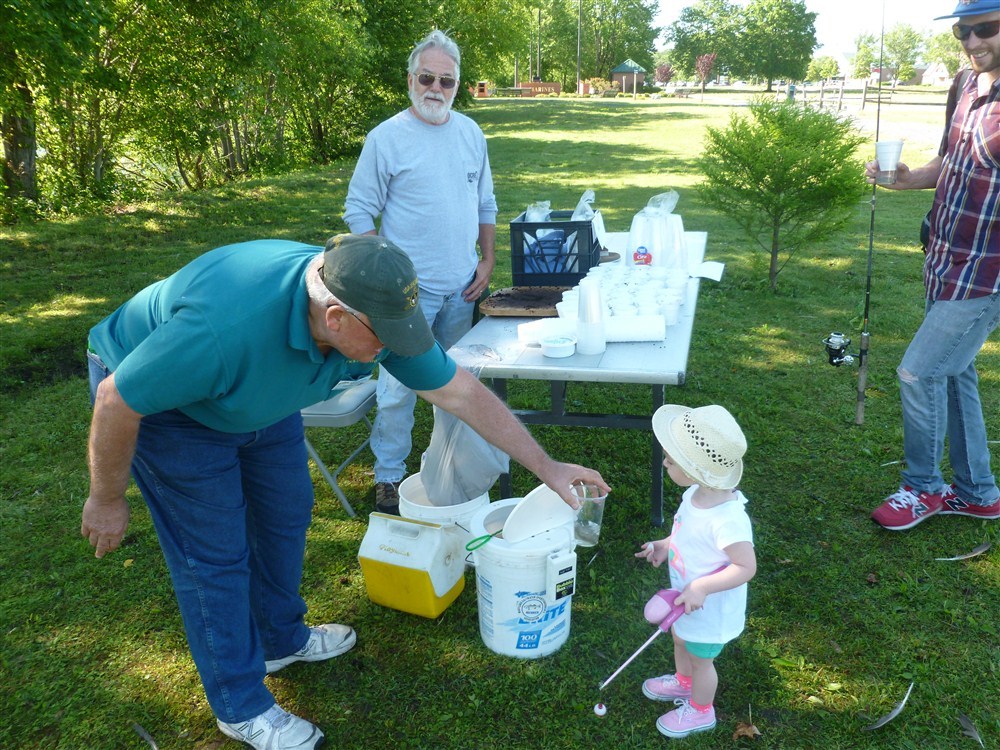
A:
{"x":788,"y":175}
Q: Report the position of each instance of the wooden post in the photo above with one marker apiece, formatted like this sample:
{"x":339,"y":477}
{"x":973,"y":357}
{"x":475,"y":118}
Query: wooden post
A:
{"x":864,"y":94}
{"x":840,"y":98}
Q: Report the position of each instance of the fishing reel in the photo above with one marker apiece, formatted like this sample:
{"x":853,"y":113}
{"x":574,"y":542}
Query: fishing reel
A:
{"x":836,"y":349}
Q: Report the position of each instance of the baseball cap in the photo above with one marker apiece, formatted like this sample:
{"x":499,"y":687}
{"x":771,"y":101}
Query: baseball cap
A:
{"x":972,"y":8}
{"x":375,"y":277}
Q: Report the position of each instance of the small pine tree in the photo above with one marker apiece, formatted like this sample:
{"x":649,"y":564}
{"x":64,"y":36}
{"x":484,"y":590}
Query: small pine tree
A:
{"x":788,"y":175}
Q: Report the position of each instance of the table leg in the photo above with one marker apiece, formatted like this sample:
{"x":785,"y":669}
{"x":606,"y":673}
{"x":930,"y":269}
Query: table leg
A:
{"x":500,"y":389}
{"x":656,"y":467}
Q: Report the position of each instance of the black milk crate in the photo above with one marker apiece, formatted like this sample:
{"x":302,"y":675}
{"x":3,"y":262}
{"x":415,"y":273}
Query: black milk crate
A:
{"x":562,"y":255}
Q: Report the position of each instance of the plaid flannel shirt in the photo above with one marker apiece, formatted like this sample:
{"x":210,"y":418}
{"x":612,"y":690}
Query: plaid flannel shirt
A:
{"x":963,"y":255}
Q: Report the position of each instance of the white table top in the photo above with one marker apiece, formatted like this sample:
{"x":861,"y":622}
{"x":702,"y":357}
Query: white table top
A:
{"x":492,"y":349}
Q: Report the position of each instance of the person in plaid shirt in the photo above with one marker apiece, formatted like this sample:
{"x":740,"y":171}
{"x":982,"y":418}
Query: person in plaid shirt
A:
{"x":938,"y":384}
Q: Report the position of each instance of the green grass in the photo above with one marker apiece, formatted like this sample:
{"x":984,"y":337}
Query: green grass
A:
{"x":842,"y":616}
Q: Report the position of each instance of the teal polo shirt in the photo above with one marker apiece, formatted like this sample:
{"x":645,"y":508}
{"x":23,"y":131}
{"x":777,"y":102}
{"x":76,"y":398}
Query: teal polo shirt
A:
{"x":226,"y":341}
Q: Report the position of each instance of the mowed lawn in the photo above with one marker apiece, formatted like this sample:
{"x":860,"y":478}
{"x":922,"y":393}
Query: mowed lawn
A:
{"x":842,"y":618}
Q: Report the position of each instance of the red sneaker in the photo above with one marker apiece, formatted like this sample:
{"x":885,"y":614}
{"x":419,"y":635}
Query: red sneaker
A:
{"x":953,"y":505}
{"x":905,"y":509}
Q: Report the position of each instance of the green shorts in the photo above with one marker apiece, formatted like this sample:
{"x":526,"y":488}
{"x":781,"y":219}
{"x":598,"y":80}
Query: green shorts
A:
{"x":704,"y":650}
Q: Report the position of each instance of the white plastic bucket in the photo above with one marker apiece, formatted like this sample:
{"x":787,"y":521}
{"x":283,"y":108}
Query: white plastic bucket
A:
{"x":525,"y":589}
{"x":456,"y":519}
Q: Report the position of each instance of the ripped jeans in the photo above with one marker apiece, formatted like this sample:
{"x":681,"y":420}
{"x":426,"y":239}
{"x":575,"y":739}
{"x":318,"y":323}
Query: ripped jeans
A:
{"x":939,"y":389}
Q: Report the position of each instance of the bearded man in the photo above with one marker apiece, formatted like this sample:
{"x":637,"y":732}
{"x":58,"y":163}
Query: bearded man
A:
{"x":938,"y":382}
{"x":426,"y":175}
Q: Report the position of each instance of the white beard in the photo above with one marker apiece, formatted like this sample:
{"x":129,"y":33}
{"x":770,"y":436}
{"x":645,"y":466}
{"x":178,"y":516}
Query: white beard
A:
{"x":432,"y":110}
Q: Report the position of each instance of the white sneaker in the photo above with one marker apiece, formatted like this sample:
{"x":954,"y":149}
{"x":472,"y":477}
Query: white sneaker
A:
{"x":325,"y":642}
{"x":275,"y":729}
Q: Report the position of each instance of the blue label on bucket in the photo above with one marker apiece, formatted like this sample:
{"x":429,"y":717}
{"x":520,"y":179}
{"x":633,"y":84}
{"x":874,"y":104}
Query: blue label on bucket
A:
{"x":529,"y":639}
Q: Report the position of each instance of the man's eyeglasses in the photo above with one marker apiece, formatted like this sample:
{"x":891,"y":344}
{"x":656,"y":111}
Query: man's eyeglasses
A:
{"x":427,"y":79}
{"x":984,"y":30}
{"x":353,"y":314}
{"x":365,"y":325}
{"x":383,"y":352}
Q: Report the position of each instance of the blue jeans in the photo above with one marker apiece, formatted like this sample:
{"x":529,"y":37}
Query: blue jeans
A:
{"x":231,"y":513}
{"x":939,"y":389}
{"x":450,"y":318}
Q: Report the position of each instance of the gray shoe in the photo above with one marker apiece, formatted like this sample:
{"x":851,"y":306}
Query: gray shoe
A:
{"x":387,"y":497}
{"x":325,"y":642}
{"x":275,"y":729}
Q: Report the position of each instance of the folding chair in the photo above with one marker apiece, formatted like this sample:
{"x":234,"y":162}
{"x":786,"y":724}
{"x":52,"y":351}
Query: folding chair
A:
{"x":348,"y":405}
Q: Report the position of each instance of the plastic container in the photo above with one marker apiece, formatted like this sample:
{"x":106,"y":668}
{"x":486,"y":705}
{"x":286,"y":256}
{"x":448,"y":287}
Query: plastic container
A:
{"x":557,"y":252}
{"x":413,"y":566}
{"x":558,"y":346}
{"x":414,"y":503}
{"x":525,"y":588}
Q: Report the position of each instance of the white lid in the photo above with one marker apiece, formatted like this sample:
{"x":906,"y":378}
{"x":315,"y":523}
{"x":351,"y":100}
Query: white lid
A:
{"x":541,"y":510}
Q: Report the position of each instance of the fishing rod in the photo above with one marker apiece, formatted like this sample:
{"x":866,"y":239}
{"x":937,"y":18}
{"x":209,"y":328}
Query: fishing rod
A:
{"x":836,"y":343}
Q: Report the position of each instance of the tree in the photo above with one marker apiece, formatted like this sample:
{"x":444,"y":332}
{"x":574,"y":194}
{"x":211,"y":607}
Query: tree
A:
{"x":42,"y":42}
{"x":822,"y":68}
{"x":610,"y":32}
{"x":706,"y":25}
{"x":777,"y":41}
{"x":664,"y":73}
{"x":624,"y":30}
{"x":944,"y":48}
{"x":704,"y":68}
{"x":130,"y":95}
{"x":902,"y":47}
{"x":788,"y":175}
{"x":866,"y":55}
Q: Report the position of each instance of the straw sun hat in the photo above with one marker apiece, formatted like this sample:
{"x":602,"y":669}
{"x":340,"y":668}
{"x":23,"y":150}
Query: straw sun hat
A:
{"x":705,"y":442}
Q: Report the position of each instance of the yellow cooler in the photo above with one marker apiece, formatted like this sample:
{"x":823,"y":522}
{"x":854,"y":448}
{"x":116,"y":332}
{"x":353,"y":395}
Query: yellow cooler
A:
{"x":413,"y":566}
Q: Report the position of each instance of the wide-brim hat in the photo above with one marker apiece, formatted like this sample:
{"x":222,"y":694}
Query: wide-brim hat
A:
{"x":972,"y":8}
{"x":373,"y":276}
{"x":705,"y":442}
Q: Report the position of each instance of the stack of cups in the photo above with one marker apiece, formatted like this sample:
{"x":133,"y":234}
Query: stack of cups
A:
{"x":590,"y":336}
{"x":674,"y":294}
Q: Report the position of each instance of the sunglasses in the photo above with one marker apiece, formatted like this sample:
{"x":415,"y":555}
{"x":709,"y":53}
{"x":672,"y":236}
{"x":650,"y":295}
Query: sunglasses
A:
{"x":984,"y":30}
{"x":447,"y":82}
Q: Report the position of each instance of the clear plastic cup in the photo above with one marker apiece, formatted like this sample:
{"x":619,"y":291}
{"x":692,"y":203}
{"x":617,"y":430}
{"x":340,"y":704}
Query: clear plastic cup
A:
{"x":887,"y":154}
{"x":590,"y":514}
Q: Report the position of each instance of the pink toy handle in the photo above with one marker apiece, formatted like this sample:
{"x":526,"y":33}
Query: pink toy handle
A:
{"x":676,"y":610}
{"x":665,"y":599}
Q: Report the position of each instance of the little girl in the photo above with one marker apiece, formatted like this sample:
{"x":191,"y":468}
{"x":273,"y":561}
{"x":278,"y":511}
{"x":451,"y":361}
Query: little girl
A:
{"x":703,"y":450}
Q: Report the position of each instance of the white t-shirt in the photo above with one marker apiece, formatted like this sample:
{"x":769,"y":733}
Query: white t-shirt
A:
{"x":697,"y":541}
{"x":432,"y":187}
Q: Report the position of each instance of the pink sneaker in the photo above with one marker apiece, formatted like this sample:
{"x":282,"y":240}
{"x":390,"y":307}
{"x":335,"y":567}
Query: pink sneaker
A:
{"x":905,"y":509}
{"x":665,"y":688}
{"x":953,"y":505}
{"x":685,"y":720}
